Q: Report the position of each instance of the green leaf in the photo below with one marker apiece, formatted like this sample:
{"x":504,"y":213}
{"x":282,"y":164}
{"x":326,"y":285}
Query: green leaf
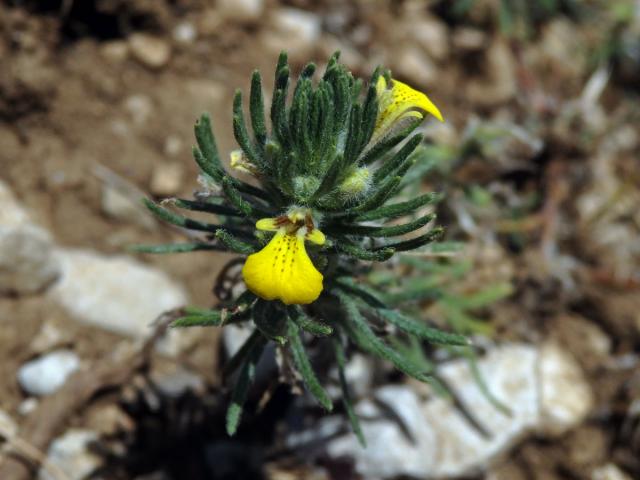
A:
{"x":241,"y":388}
{"x":388,"y":166}
{"x":271,"y":320}
{"x":242,"y":135}
{"x":371,"y":231}
{"x":302,"y":320}
{"x":174,"y":248}
{"x":211,"y":318}
{"x":303,"y":365}
{"x":208,"y":207}
{"x":412,"y":327}
{"x":399,"y":209}
{"x":414,"y":243}
{"x":486,"y":296}
{"x":361,"y":290}
{"x":233,"y":244}
{"x":363,"y":335}
{"x":346,"y":395}
{"x":207,"y":155}
{"x":184,"y":222}
{"x":256,"y":108}
{"x":360,"y":253}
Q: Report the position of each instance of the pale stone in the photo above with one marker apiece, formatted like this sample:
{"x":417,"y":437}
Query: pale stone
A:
{"x":48,"y":337}
{"x":118,"y":294}
{"x":240,"y":10}
{"x":26,"y":261}
{"x":565,"y":397}
{"x":115,"y":51}
{"x":432,"y":35}
{"x":71,"y":455}
{"x":609,"y":471}
{"x":27,"y":264}
{"x":139,"y":107}
{"x":435,"y":440}
{"x":416,"y":66}
{"x":120,"y":205}
{"x":8,"y":426}
{"x":149,"y":50}
{"x":166,"y":178}
{"x":185,"y":32}
{"x":469,"y":39}
{"x":294,"y":30}
{"x":12,"y":214}
{"x":46,"y":374}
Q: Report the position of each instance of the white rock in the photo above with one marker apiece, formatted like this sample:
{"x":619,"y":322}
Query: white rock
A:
{"x":432,"y":35}
{"x":185,"y":32}
{"x":121,"y":205}
{"x":149,"y":50}
{"x":8,"y":426}
{"x":117,"y":293}
{"x":166,"y":178}
{"x":11,"y":214}
{"x":46,"y":374}
{"x":70,"y":454}
{"x":416,"y":66}
{"x":48,"y":337}
{"x":437,"y":441}
{"x":139,"y":107}
{"x":26,"y":261}
{"x":177,"y":381}
{"x":609,"y":471}
{"x":27,"y":264}
{"x":294,"y":30}
{"x":241,"y":10}
{"x":565,"y":397}
{"x":28,"y":405}
{"x":115,"y":51}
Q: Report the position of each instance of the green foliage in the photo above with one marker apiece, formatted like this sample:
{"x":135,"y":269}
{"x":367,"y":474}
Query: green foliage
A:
{"x":319,"y":135}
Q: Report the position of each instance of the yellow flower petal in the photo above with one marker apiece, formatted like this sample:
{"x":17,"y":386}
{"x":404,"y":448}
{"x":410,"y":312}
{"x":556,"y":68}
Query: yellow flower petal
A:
{"x":282,"y":270}
{"x":267,"y":224}
{"x":316,"y":237}
{"x":397,"y":102}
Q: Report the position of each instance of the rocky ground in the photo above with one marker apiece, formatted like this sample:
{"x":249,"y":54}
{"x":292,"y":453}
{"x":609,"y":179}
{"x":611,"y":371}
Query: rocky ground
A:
{"x":539,"y":161}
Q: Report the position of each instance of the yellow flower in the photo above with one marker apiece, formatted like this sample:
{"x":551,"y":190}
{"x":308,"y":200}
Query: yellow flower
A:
{"x":282,"y":270}
{"x":397,"y":102}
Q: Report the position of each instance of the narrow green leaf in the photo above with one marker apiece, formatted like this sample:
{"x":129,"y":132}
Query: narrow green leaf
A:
{"x":360,"y":253}
{"x":399,"y":209}
{"x":388,"y":166}
{"x":208,"y":207}
{"x":361,"y":290}
{"x":241,"y":388}
{"x":346,"y":394}
{"x":242,"y":135}
{"x":256,"y":108}
{"x":174,"y":248}
{"x":234,"y":197}
{"x":234,"y":244}
{"x":411,"y":326}
{"x":414,"y":243}
{"x":210,"y":318}
{"x":181,"y":221}
{"x":255,"y":339}
{"x":207,"y":156}
{"x":379,"y":196}
{"x":374,"y":152}
{"x":369,"y":341}
{"x":303,"y":365}
{"x":271,"y":320}
{"x":379,"y":232}
{"x":302,"y":320}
